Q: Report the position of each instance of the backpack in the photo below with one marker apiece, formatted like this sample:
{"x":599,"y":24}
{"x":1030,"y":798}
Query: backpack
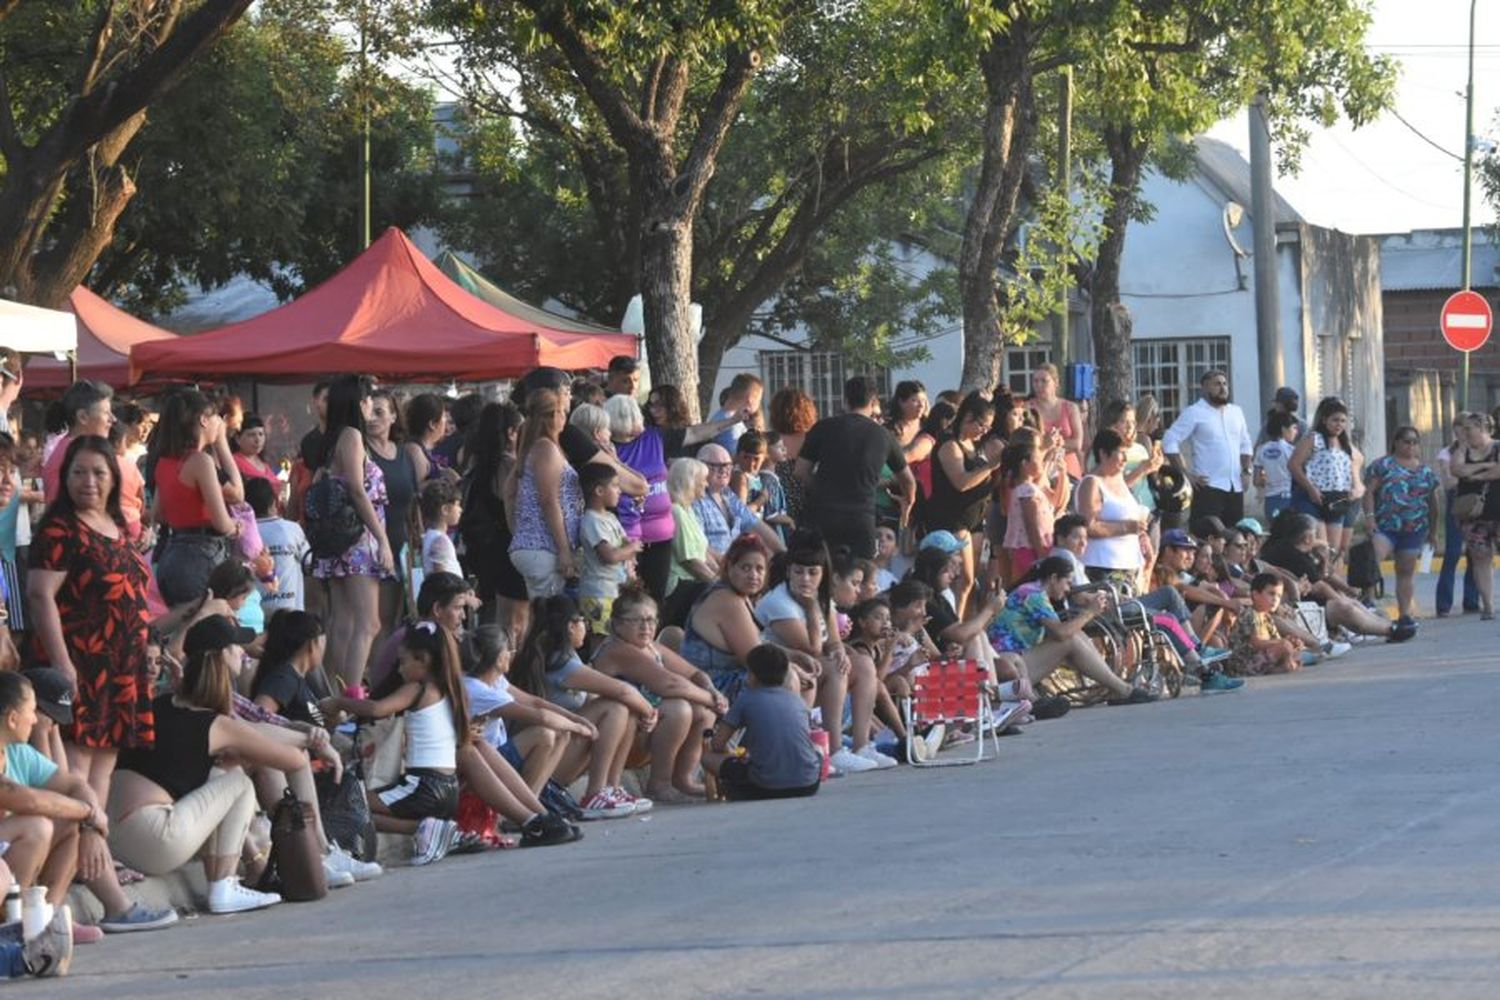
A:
{"x":329,"y":519}
{"x":295,"y":869}
{"x":1364,"y":569}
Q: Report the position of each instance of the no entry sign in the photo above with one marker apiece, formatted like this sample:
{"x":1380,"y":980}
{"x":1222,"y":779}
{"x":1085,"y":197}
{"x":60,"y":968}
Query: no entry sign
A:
{"x":1466,"y":320}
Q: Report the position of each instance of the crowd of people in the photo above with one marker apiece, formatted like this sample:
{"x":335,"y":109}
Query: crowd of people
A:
{"x":550,"y":591}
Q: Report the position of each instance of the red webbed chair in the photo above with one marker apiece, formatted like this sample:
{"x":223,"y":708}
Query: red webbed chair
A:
{"x":951,"y":692}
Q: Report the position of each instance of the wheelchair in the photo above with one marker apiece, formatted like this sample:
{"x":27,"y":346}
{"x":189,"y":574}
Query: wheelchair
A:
{"x":1135,"y":649}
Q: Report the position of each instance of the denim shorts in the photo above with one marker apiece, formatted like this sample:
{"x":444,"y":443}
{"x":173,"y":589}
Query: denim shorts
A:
{"x":1404,"y":541}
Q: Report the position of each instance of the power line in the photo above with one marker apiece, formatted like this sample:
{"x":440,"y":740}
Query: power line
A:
{"x":1421,"y":135}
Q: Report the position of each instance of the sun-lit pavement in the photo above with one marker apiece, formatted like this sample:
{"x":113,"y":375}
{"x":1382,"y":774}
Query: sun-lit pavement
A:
{"x":1327,"y":834}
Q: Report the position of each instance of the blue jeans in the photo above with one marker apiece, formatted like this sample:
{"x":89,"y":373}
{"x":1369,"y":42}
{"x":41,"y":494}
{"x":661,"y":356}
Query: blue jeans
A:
{"x":1453,"y":547}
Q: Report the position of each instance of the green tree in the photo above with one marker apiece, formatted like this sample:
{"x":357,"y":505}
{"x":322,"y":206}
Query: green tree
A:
{"x":76,"y":81}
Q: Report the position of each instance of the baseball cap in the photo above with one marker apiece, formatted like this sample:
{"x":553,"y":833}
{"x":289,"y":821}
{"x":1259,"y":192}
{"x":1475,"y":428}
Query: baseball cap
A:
{"x":54,"y":695}
{"x":1251,"y":525}
{"x":1176,"y":538}
{"x":947,"y":541}
{"x":1286,"y":394}
{"x":214,"y":633}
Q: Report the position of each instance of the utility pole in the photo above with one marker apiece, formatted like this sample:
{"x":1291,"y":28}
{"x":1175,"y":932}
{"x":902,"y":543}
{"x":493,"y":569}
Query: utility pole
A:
{"x":1267,"y":295}
{"x":1062,"y":350}
{"x":1468,"y":185}
{"x":364,"y":136}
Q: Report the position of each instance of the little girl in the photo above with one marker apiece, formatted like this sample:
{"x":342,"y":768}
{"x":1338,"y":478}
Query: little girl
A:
{"x":424,"y":800}
{"x":893,"y":653}
{"x":1034,"y":502}
{"x":549,"y":666}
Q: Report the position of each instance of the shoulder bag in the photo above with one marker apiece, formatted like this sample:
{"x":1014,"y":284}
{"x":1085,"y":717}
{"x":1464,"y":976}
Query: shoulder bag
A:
{"x":295,"y":869}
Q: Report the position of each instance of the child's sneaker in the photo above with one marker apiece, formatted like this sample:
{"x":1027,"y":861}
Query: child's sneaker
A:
{"x":51,"y":952}
{"x":850,"y":762}
{"x":604,"y":805}
{"x":638,"y":804}
{"x":1217,"y":680}
{"x":433,"y":840}
{"x":880,"y":760}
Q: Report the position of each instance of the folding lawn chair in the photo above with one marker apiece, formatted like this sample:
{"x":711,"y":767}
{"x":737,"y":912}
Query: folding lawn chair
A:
{"x":951,"y":692}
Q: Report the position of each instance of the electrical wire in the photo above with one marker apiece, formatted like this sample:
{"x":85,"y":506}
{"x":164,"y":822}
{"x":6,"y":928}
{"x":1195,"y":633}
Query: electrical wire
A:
{"x":1420,"y":135}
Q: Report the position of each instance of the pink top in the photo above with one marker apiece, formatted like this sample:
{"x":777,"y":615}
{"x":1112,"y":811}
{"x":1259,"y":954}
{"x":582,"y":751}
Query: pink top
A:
{"x":1015,"y":524}
{"x":1064,"y":426}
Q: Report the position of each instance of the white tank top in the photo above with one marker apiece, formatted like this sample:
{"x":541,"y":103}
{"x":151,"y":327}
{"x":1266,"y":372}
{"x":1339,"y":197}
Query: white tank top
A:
{"x":1121,"y":551}
{"x":431,"y":740}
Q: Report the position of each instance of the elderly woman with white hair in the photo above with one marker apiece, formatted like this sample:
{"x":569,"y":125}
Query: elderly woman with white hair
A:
{"x":645,"y":449}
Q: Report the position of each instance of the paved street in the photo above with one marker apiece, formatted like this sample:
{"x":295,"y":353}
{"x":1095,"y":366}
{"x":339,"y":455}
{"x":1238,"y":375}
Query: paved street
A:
{"x":1329,"y":834}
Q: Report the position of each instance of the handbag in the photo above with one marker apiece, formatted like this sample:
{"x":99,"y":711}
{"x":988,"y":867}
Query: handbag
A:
{"x":329,"y":520}
{"x":346,"y":809}
{"x":295,"y":869}
{"x":1469,"y":506}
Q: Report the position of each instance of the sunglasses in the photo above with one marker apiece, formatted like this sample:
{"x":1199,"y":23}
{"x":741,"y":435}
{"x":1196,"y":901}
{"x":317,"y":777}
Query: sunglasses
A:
{"x":1408,"y":440}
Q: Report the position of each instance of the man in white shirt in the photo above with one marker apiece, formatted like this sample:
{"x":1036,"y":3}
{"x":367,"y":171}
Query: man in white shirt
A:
{"x":1218,"y":440}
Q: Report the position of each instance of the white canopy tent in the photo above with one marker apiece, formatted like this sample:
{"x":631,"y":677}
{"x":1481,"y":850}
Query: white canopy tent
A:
{"x":33,"y":330}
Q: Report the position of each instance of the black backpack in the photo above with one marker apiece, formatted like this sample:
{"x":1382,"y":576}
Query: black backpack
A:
{"x":1364,"y":568}
{"x":329,"y":519}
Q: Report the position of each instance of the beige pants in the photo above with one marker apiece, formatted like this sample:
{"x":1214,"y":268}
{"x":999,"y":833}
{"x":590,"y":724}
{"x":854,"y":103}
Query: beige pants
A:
{"x":209,"y":821}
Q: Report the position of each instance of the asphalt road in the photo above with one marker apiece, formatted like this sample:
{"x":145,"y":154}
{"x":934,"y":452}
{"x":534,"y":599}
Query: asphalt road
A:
{"x":1328,"y":834}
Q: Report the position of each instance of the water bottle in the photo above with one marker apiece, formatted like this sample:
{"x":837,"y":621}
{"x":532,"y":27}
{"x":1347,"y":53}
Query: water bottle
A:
{"x":1426,"y":565}
{"x":36,"y":912}
{"x":13,"y":905}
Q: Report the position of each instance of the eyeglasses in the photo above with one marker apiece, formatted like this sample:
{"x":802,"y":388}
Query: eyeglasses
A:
{"x":641,"y":620}
{"x":719,"y":465}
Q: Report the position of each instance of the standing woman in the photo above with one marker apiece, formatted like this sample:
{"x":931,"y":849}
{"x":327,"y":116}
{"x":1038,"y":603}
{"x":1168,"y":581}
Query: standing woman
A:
{"x":1058,"y":414}
{"x":1476,"y":465}
{"x":543,"y":500}
{"x":426,"y":424}
{"x":1116,"y":520}
{"x":192,"y":459}
{"x":249,"y":452}
{"x":1038,"y":489}
{"x":484,"y":528}
{"x":384,"y":436}
{"x":963,"y":475}
{"x":1401,"y":506}
{"x":1453,"y":532}
{"x":354,"y":576}
{"x":1322,"y":468}
{"x":792,"y":415}
{"x":87,"y":594}
{"x":904,"y":420}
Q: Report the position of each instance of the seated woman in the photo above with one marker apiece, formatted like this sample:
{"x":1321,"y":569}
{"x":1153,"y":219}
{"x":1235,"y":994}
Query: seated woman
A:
{"x":176,"y":801}
{"x":685,"y":698}
{"x":1290,"y":548}
{"x":289,"y":677}
{"x":423,"y":802}
{"x":721,"y":627}
{"x":533,"y":734}
{"x":693,"y":565}
{"x":965,"y":637}
{"x":549,"y":666}
{"x":1029,"y":626}
{"x":798,"y":615}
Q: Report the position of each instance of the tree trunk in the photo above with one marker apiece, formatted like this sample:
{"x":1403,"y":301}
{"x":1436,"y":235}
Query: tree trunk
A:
{"x":1006,"y":66}
{"x":667,"y":278}
{"x":1109,"y":318}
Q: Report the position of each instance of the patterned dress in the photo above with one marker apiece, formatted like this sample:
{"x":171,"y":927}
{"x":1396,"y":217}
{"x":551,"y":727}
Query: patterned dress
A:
{"x":102,"y":608}
{"x":363,"y":557}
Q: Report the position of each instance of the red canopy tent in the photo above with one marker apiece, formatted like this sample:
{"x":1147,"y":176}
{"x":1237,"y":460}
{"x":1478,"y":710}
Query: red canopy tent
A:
{"x":390,"y":313}
{"x":105,"y":336}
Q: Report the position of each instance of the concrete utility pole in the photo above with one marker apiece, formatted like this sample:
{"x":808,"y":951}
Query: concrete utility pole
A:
{"x":1468,"y":193}
{"x":1062,"y":349}
{"x":1267,"y":293}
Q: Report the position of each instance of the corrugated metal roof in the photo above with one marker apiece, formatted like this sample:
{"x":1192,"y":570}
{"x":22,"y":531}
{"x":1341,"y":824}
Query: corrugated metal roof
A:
{"x":1425,"y":260}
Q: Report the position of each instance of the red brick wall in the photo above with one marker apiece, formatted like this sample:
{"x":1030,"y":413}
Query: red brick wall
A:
{"x":1413,"y":340}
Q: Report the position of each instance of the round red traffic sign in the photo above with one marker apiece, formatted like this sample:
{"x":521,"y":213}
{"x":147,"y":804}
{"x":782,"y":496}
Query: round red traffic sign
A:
{"x":1466,"y":320}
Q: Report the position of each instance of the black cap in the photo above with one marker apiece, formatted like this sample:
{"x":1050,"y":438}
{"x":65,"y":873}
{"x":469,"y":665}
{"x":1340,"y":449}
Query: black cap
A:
{"x":623,"y":363}
{"x":214,"y":633}
{"x":54,"y":695}
{"x":1286,"y":394}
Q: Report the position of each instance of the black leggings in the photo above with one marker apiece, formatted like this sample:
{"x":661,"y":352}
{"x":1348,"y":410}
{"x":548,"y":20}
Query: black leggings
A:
{"x":653,"y":566}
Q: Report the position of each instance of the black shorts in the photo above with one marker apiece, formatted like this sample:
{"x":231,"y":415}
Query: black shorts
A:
{"x":736,"y":784}
{"x":420,"y":793}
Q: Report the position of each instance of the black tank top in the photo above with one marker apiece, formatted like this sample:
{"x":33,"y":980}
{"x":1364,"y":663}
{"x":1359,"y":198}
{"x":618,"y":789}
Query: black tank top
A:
{"x":179,"y":761}
{"x":952,"y":509}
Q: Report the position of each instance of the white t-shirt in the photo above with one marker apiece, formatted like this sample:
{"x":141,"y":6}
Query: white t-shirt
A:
{"x":288,"y":547}
{"x":438,"y":553}
{"x":1273,"y":457}
{"x":485,"y":698}
{"x":884,"y":578}
{"x":597,"y":578}
{"x":778,"y":606}
{"x":1079,"y":578}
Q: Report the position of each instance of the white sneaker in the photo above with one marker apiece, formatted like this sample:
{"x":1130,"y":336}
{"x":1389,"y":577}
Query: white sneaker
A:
{"x":849,"y":762}
{"x":433,"y":840}
{"x":880,"y":760}
{"x":1337,"y":649}
{"x":934,"y":738}
{"x":51,"y":952}
{"x":341,"y":859}
{"x":228,"y":896}
{"x":337,"y":877}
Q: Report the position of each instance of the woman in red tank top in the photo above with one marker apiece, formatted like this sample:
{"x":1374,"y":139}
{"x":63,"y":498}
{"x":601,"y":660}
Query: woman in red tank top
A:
{"x":1058,"y":414}
{"x":194,"y":474}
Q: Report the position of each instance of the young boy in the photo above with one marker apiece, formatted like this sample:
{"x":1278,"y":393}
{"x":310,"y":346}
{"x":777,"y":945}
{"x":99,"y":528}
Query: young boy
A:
{"x":441,"y":510}
{"x":1272,"y":476}
{"x":885,"y":551}
{"x":606,"y":551}
{"x":1255,"y":643}
{"x":287,"y":546}
{"x":782,"y":762}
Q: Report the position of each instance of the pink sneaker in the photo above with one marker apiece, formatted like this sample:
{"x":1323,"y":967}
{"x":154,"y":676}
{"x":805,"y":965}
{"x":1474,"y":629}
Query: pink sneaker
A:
{"x":87,"y":934}
{"x":604,"y":805}
{"x":637,"y":804}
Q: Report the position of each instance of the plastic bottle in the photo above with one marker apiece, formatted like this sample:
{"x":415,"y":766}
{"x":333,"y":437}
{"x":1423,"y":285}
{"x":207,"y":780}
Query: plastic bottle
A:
{"x":36,"y":912}
{"x":13,"y":905}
